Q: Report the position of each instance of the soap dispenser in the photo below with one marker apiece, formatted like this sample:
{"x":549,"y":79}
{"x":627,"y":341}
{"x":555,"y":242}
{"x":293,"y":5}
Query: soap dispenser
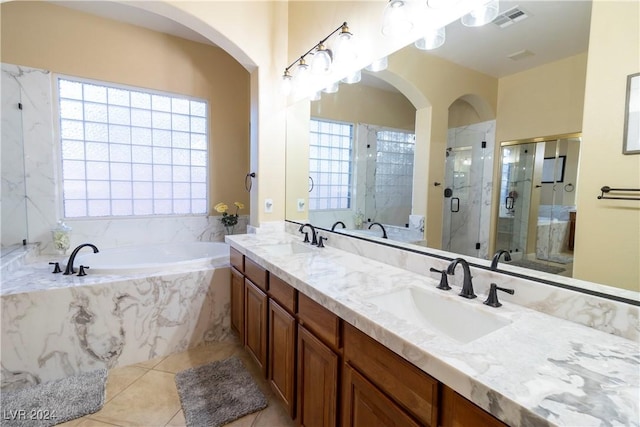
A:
{"x":60,"y":234}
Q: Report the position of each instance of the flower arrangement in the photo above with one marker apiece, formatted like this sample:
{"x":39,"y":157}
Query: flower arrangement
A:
{"x":228,"y":220}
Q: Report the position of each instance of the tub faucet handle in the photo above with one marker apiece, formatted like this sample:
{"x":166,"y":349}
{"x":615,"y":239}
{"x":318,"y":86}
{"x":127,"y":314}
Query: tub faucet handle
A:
{"x":82,"y":271}
{"x":56,"y":268}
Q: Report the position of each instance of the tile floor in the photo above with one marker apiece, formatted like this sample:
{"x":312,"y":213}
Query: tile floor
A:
{"x":145,"y":394}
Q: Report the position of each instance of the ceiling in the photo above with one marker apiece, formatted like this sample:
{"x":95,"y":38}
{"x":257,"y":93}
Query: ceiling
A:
{"x":554,"y":29}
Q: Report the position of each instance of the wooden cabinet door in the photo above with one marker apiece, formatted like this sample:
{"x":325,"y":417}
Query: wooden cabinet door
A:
{"x":459,"y":412}
{"x":255,"y":329}
{"x":364,"y":405}
{"x":317,"y":382}
{"x":282,"y":353}
{"x":237,"y":303}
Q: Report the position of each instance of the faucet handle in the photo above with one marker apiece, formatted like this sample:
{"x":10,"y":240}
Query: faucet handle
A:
{"x":444,"y":281}
{"x":56,"y":268}
{"x":82,"y":271}
{"x":321,"y":239}
{"x":306,"y":236}
{"x":492,"y":299}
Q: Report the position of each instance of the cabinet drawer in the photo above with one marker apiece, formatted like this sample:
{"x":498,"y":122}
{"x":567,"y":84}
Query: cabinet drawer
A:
{"x":255,"y":273}
{"x":323,"y":323}
{"x":411,"y":388}
{"x":282,"y":292}
{"x":236,"y":259}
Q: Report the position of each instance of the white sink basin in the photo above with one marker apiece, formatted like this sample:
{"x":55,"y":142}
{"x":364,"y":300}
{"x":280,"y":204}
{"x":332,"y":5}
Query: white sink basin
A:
{"x":288,"y":249}
{"x":456,"y":319}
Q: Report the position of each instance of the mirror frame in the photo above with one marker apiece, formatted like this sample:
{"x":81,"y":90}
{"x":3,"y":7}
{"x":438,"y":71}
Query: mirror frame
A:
{"x":631,"y":147}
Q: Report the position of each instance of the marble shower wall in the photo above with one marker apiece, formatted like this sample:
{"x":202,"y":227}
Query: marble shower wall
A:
{"x":60,"y":332}
{"x":471,"y":224}
{"x":44,"y":191}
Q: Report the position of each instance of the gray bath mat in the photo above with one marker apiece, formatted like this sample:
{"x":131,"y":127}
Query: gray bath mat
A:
{"x":218,"y":393}
{"x":54,"y":402}
{"x":537,"y":266}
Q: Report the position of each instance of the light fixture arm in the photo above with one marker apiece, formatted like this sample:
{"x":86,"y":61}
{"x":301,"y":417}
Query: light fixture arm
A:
{"x":343,"y":27}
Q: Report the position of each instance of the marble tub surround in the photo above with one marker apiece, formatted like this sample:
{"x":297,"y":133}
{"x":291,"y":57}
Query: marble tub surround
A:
{"x":607,"y":315}
{"x":537,"y":370}
{"x":55,"y":326}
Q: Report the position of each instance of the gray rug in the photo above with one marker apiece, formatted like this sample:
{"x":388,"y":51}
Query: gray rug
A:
{"x":54,"y":402}
{"x":537,"y":266}
{"x":218,"y":393}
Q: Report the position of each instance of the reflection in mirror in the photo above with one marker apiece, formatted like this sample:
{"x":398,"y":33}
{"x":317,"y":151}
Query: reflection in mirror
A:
{"x":537,"y":211}
{"x":14,"y":209}
{"x":361,"y":156}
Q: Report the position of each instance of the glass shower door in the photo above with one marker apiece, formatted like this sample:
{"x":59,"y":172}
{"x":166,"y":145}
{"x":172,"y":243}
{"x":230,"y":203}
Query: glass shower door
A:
{"x":461,"y":216}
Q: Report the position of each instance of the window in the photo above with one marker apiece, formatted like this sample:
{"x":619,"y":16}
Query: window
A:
{"x":330,"y":155}
{"x":130,"y":152}
{"x":394,"y":167}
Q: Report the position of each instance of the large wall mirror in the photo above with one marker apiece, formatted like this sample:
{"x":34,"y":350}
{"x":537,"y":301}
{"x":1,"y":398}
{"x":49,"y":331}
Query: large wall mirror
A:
{"x":384,"y":183}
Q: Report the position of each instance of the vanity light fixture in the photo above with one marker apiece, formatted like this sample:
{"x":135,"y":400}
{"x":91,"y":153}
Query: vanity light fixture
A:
{"x":287,"y":82}
{"x":332,"y":88}
{"x":396,"y":18}
{"x":353,"y":78}
{"x":378,"y":65}
{"x":323,"y":60}
{"x":432,"y":39}
{"x":481,"y":15}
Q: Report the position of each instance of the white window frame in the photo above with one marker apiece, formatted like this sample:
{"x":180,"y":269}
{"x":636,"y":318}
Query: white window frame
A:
{"x":59,"y":150}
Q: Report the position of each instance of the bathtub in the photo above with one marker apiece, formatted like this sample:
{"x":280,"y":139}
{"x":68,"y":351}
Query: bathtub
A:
{"x":152,"y":258}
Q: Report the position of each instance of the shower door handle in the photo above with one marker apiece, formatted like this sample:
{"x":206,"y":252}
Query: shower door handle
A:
{"x":508,"y":202}
{"x":455,"y":204}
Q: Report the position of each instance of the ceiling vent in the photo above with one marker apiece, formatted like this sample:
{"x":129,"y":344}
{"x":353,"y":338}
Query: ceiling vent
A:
{"x":510,"y":17}
{"x":520,"y":55}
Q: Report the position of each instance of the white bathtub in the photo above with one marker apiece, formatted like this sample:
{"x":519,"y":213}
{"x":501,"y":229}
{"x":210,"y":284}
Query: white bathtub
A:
{"x":151,"y":258}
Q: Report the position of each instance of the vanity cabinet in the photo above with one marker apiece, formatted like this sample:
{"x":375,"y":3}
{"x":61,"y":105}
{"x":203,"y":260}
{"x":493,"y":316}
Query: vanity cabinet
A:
{"x":460,"y":412}
{"x":282,"y":341}
{"x":376,"y":376}
{"x":327,"y":372}
{"x":319,"y":362}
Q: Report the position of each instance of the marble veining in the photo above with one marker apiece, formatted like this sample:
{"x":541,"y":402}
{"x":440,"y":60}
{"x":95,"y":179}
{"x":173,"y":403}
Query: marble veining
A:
{"x":55,"y":326}
{"x":538,"y":370}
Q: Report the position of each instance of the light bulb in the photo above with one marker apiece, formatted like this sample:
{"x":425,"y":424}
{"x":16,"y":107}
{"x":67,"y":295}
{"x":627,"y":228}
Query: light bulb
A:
{"x":302,"y":78}
{"x":353,"y":78}
{"x":481,"y":15}
{"x":378,"y":65}
{"x":287,"y":83}
{"x":396,"y":18}
{"x":321,"y":62}
{"x":345,"y":52}
{"x":432,"y":39}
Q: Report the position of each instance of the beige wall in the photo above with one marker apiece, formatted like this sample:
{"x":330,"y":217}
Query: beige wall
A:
{"x":365,"y":104}
{"x":66,"y":41}
{"x":546,"y":100}
{"x":608,"y":231}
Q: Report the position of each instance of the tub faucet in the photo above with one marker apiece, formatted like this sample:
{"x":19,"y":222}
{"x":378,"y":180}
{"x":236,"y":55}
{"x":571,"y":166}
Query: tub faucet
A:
{"x":333,"y":227}
{"x":314,"y":236}
{"x":384,"y":232}
{"x":467,"y":286}
{"x":70,"y":270}
{"x":496,"y":258}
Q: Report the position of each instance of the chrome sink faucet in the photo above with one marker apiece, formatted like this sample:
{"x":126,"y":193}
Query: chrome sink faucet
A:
{"x":70,"y":270}
{"x":384,"y":232}
{"x":467,"y":286}
{"x":314,"y":236}
{"x":496,"y":258}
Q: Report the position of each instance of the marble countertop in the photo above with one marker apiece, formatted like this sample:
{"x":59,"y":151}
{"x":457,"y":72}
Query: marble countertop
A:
{"x":538,"y":370}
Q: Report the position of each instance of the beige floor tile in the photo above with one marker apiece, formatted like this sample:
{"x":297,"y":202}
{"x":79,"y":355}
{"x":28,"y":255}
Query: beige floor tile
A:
{"x":246,"y":421}
{"x":95,"y":423}
{"x":197,"y":356}
{"x":121,"y":378}
{"x":149,"y":364}
{"x":273,"y":415}
{"x":177,"y":420}
{"x":150,"y":401}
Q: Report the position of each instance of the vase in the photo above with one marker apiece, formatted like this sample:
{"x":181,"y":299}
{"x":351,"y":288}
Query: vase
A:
{"x":229,"y":229}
